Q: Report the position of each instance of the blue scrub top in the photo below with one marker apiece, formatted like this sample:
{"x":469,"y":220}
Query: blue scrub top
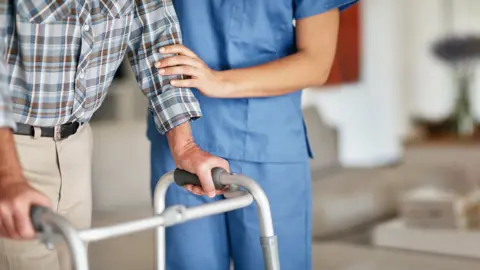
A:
{"x":230,"y":34}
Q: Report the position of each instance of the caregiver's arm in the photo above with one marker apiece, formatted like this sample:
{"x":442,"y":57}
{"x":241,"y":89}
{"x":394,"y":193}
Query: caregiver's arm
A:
{"x":310,"y":66}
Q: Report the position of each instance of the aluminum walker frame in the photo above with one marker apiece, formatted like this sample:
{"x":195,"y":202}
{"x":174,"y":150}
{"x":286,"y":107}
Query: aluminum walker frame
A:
{"x":52,"y":226}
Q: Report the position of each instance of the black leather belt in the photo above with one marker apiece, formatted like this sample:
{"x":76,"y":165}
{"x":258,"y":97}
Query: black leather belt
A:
{"x":57,"y":133}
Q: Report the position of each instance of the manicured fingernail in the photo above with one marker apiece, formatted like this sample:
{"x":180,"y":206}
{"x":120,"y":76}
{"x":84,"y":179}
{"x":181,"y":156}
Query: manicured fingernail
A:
{"x":162,"y":50}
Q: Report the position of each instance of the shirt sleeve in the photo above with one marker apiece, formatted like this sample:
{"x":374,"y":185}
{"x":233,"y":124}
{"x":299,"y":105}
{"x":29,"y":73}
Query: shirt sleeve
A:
{"x":156,"y":25}
{"x":6,"y":117}
{"x":307,"y":8}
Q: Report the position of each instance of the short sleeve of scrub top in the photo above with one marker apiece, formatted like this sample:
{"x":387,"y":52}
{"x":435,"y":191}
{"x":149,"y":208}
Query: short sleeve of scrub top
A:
{"x":307,"y":8}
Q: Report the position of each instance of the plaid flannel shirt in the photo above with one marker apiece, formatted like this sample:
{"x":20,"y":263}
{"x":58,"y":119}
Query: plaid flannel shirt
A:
{"x":6,"y":119}
{"x":61,"y":56}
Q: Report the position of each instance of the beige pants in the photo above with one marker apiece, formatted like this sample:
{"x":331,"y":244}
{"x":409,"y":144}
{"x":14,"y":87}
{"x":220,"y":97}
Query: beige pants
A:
{"x":62,"y":171}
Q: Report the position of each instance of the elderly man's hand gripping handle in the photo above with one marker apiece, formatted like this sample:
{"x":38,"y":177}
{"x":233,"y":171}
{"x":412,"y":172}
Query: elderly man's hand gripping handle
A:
{"x":189,"y":157}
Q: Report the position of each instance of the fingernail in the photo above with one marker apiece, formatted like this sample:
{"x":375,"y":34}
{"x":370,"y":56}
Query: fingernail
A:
{"x":173,"y":82}
{"x":162,"y":50}
{"x":157,"y":64}
{"x":211,"y":194}
{"x":161,"y":71}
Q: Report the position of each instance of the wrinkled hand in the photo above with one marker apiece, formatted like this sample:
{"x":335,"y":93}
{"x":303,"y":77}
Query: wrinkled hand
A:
{"x":198,"y":74}
{"x":16,"y":199}
{"x":196,"y":161}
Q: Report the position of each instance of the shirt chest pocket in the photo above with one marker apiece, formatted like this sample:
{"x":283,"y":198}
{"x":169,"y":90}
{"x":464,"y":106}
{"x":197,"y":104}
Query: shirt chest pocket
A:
{"x":42,"y":30}
{"x":45,"y":12}
{"x":108,"y":19}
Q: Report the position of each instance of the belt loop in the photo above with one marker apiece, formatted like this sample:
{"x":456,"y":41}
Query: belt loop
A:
{"x":57,"y":134}
{"x":37,"y":133}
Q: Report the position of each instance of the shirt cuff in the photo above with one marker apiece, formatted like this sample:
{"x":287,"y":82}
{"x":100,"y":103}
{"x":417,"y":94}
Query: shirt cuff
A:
{"x":173,"y":108}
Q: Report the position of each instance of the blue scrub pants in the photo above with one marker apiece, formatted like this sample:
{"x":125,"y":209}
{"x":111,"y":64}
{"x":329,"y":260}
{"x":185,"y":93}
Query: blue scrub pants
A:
{"x":209,"y":243}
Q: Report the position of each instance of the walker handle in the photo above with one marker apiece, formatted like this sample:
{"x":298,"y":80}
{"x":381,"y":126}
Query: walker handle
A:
{"x":36,"y":213}
{"x":183,"y":177}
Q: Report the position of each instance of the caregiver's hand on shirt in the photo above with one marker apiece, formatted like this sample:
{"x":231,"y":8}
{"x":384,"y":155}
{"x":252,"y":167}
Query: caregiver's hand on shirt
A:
{"x":186,"y":62}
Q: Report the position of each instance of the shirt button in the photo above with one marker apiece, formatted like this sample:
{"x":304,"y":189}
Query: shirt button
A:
{"x":81,"y":75}
{"x":86,"y":28}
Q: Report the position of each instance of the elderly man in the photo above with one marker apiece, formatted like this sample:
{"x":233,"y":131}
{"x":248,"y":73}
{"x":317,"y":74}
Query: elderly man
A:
{"x":58,"y":59}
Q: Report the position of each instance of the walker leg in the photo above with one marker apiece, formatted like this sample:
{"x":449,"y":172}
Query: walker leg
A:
{"x":270,"y":252}
{"x":159,"y":206}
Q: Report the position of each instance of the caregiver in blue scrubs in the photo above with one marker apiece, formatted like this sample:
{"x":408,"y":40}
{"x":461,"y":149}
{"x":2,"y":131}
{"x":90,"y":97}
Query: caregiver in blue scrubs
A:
{"x":247,"y":64}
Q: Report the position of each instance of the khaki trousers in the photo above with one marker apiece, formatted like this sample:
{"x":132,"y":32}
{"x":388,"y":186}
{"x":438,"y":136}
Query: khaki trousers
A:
{"x":62,"y":171}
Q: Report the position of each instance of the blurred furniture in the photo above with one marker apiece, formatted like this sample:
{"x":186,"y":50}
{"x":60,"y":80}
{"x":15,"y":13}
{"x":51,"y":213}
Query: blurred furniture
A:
{"x":345,"y":199}
{"x":349,"y":203}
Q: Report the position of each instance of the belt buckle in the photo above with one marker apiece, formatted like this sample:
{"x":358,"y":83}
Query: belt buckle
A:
{"x":57,"y":133}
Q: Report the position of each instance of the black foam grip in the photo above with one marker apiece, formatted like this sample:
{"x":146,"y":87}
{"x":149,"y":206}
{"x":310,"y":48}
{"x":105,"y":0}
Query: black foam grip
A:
{"x":182,"y":178}
{"x":36,"y":212}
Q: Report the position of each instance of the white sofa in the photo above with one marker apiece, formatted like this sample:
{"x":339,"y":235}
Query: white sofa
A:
{"x":350,"y":199}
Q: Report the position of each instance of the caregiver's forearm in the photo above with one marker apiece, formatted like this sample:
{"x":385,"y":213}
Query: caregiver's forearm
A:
{"x":309,"y":67}
{"x":280,"y":77}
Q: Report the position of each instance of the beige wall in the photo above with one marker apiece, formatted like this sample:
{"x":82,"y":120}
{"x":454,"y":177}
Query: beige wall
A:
{"x":121,"y":165}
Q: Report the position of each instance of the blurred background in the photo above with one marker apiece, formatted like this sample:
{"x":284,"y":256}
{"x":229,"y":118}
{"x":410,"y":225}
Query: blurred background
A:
{"x":395,"y":134}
